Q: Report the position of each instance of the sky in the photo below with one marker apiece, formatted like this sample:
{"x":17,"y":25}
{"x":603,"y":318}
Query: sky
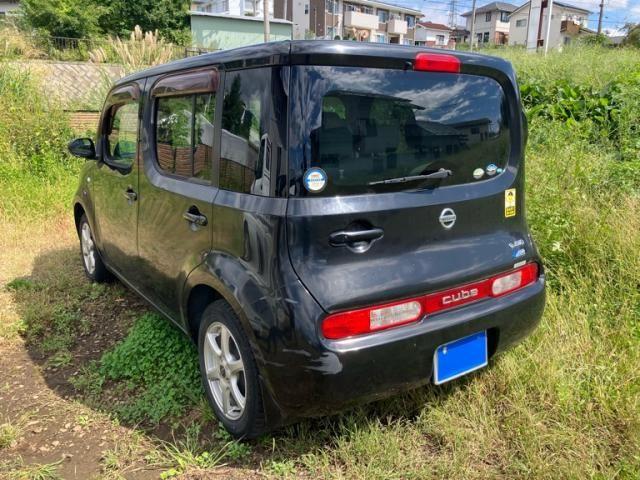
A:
{"x":616,"y":12}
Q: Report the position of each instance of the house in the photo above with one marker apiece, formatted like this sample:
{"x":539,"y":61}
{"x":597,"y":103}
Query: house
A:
{"x":8,"y":7}
{"x":460,"y":34}
{"x":222,"y":30}
{"x":362,"y":20}
{"x":567,"y":23}
{"x":492,"y":23}
{"x":250,"y":8}
{"x":432,"y":34}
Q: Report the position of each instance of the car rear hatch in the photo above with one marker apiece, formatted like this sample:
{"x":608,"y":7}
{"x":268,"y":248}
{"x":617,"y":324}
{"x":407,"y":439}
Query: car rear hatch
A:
{"x":405,"y":172}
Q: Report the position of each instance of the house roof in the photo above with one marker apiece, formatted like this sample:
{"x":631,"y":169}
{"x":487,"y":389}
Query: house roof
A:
{"x":434,"y":26}
{"x":492,"y":7}
{"x":559,"y":4}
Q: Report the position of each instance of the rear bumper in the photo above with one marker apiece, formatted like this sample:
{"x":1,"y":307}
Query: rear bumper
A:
{"x":330,"y":375}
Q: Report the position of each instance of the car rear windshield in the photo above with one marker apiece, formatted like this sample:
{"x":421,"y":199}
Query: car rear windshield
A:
{"x":365,"y":126}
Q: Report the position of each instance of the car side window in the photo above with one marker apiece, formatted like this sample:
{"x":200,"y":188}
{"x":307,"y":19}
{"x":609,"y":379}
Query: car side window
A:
{"x":122,"y":134}
{"x":184,"y":135}
{"x":245,"y":161}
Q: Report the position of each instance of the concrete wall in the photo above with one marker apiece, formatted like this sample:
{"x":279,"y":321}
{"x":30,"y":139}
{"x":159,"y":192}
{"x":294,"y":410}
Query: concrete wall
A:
{"x":518,"y":35}
{"x":77,"y":85}
{"x":300,"y":18}
{"x":229,"y":32}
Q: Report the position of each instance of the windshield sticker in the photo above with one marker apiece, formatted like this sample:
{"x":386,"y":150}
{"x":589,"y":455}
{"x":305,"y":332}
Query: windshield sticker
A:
{"x":510,"y":203}
{"x":478,"y":173}
{"x":492,"y":169}
{"x":315,"y":179}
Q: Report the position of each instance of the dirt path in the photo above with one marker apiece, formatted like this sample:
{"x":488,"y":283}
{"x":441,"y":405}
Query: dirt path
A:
{"x":44,"y":423}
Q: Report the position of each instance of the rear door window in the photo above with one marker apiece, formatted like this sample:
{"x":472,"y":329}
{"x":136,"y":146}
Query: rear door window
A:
{"x":184,"y":135}
{"x":363,"y":126}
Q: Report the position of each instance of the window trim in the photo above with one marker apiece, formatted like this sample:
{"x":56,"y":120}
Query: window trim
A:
{"x":194,"y":82}
{"x":188,"y":83}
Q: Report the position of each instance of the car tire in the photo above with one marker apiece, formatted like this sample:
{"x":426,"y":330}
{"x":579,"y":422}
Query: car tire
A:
{"x":92,"y":263}
{"x":229,"y":374}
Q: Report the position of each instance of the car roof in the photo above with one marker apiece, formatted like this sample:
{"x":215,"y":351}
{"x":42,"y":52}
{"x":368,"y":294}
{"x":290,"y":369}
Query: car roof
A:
{"x":315,"y":52}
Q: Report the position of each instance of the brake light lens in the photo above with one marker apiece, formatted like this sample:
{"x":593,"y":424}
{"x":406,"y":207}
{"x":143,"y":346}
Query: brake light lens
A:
{"x":368,"y":320}
{"x":436,"y":62}
{"x":381,"y":317}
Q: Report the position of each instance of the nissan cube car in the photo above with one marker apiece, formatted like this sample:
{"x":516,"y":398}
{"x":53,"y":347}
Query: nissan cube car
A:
{"x":330,"y":222}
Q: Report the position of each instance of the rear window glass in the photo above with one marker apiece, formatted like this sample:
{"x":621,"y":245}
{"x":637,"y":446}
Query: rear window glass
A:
{"x":364,"y":126}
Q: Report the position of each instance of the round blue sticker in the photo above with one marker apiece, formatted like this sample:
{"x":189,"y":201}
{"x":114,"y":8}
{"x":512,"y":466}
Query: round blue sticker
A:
{"x":315,"y":179}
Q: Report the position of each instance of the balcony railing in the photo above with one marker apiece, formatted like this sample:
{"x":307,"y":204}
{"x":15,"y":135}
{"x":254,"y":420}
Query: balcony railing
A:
{"x":360,"y":20}
{"x":397,"y":26}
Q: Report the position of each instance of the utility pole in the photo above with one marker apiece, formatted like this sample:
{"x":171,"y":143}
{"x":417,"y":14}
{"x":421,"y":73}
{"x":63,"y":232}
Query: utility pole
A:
{"x":600,"y":17}
{"x":549,"y":14}
{"x":453,"y":14}
{"x":473,"y":25}
{"x":267,"y":33}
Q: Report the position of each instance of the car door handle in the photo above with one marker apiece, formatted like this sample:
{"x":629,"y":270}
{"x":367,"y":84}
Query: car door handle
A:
{"x":347,"y":237}
{"x":130,"y":195}
{"x":194,"y":217}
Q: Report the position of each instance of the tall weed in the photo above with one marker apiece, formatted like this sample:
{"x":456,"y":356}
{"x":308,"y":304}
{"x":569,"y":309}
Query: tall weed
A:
{"x":35,"y":171}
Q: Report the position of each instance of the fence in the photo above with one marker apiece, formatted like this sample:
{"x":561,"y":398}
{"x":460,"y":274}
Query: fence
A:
{"x":66,"y":48}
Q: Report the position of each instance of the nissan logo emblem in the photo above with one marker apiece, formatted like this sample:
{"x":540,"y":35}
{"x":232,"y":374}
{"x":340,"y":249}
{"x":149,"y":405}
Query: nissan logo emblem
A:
{"x":447,"y":218}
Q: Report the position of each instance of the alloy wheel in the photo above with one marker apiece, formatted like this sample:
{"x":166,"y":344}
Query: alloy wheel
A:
{"x":225,"y":371}
{"x":88,"y":249}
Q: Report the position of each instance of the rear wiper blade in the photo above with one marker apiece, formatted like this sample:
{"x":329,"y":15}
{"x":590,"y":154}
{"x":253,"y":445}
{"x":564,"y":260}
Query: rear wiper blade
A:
{"x":442,"y":173}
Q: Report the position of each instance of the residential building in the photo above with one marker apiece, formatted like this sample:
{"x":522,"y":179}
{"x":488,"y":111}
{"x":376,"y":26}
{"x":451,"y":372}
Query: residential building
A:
{"x":251,"y":8}
{"x":460,"y":34}
{"x":8,"y":7}
{"x":223,"y":31}
{"x":432,"y":34}
{"x":492,"y":23}
{"x":567,"y":23}
{"x":362,"y":20}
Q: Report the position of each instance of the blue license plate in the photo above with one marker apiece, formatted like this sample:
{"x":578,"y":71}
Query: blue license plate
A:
{"x":457,"y":358}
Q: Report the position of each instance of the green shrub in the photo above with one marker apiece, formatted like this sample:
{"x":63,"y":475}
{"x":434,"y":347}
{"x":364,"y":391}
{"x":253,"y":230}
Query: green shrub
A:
{"x":157,"y":367}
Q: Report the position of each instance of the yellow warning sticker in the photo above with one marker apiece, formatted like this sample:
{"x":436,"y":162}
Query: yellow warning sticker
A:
{"x":510,"y":203}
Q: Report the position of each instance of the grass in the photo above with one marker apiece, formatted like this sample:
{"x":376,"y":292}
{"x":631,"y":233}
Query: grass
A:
{"x":564,"y":404}
{"x":18,"y":470}
{"x":9,"y":434}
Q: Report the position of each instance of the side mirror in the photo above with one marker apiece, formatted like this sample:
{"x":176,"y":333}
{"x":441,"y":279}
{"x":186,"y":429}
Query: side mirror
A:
{"x":83,"y":148}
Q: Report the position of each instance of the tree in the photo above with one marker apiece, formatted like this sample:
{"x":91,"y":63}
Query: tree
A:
{"x":61,"y":18}
{"x":169,"y":17}
{"x":633,"y":34}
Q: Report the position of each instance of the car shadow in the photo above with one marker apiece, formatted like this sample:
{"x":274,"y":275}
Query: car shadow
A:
{"x":63,"y":312}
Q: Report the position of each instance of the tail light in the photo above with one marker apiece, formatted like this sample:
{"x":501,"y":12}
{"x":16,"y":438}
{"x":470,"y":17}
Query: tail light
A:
{"x":381,"y":317}
{"x":436,"y":62}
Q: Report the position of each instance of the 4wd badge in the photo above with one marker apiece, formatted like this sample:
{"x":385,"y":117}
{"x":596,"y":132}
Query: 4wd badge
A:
{"x":510,"y":203}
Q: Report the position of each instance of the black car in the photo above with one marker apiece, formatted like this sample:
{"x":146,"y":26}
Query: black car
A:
{"x":329,"y":221}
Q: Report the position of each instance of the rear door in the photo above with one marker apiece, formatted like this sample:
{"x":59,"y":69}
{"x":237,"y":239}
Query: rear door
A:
{"x":365,"y":225}
{"x":176,"y":187}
